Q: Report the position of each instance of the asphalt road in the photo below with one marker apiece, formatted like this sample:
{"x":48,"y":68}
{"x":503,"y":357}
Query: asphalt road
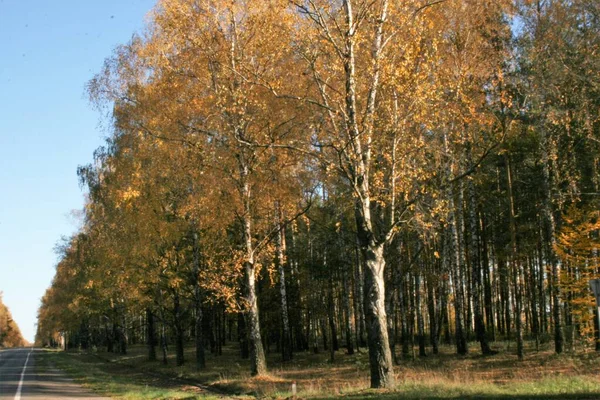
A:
{"x":22,"y":378}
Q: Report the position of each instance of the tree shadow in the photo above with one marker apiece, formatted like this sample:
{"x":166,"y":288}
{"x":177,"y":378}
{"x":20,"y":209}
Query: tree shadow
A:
{"x":414,"y":396}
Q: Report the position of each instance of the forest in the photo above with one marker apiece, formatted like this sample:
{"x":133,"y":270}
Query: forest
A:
{"x":10,"y":334}
{"x":305,"y":176}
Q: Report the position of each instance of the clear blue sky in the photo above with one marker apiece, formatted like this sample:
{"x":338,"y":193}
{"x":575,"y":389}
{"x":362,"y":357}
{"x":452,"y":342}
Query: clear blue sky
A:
{"x":48,"y":51}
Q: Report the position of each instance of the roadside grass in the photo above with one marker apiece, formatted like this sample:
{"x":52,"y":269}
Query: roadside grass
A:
{"x":116,"y":380}
{"x":542,"y":375}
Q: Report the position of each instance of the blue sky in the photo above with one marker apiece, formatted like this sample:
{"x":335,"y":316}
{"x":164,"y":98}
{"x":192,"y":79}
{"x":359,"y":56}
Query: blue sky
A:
{"x":48,"y":51}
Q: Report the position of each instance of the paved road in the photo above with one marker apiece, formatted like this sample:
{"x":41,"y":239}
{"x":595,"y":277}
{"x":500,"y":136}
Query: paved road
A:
{"x":21,"y":378}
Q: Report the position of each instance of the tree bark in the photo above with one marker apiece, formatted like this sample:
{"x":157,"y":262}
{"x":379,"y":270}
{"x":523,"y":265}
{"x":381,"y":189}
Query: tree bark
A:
{"x":258,"y":362}
{"x":331,"y":313}
{"x":464,"y":276}
{"x":419,"y":311}
{"x":380,"y":356}
{"x":390,"y":305}
{"x":360,"y":295}
{"x":475,"y":263}
{"x":286,"y":343}
{"x":150,"y":335}
{"x":348,"y":312}
{"x":404,"y":306}
{"x":540,"y":282}
{"x":179,"y":356}
{"x":550,"y":234}
{"x":487,"y":285}
{"x":434,"y":313}
{"x":452,"y":257}
{"x":199,"y":339}
{"x":515,"y":263}
{"x":163,"y":343}
{"x":301,"y":341}
{"x":324,"y":334}
{"x":243,"y":336}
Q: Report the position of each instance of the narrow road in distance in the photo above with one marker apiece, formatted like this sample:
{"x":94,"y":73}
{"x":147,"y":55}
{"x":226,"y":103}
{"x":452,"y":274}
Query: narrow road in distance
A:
{"x":21,"y":377}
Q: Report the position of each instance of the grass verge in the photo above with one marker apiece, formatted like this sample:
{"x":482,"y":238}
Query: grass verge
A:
{"x":117,"y":380}
{"x":542,"y":375}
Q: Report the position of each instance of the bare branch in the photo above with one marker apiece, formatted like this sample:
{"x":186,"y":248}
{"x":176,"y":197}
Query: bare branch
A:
{"x":427,"y":5}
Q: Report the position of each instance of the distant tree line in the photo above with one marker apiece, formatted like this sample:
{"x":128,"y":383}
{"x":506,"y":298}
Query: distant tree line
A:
{"x":10,"y":334}
{"x":315,"y":175}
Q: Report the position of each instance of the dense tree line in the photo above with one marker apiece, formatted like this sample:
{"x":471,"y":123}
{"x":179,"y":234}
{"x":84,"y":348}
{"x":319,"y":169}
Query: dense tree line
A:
{"x":10,"y":334}
{"x":309,"y":175}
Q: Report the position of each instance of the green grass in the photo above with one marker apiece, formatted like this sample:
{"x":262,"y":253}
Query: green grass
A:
{"x":561,"y":388}
{"x":116,"y":380}
{"x":542,"y":375}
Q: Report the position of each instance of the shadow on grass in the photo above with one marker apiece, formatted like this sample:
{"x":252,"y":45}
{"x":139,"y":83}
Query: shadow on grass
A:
{"x":441,"y":396}
{"x":114,"y":379}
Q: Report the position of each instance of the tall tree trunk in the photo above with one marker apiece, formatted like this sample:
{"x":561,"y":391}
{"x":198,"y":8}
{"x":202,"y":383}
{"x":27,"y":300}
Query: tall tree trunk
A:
{"x":331,"y":313}
{"x":108,"y":338}
{"x":540,"y":287}
{"x":208,"y":326}
{"x":516,"y":265}
{"x":218,"y":330}
{"x":150,"y":335}
{"x":533,"y":300}
{"x":596,"y":329}
{"x":487,"y":285}
{"x":504,"y":282}
{"x":419,"y":311}
{"x":123,"y":337}
{"x":433,"y":309}
{"x":380,"y":356}
{"x":348,"y":312}
{"x":301,"y":341}
{"x":163,"y":342}
{"x":258,"y":362}
{"x":357,"y":299}
{"x":286,"y":343}
{"x":404,"y":312}
{"x":177,"y":319}
{"x":445,"y":317}
{"x":390,"y":304}
{"x":360,"y":296}
{"x":199,"y":339}
{"x":452,"y":256}
{"x":475,"y":263}
{"x":550,"y":235}
{"x":464,"y":276}
{"x":324,"y":334}
{"x":118,"y":334}
{"x":243,"y":336}
{"x":312,"y":333}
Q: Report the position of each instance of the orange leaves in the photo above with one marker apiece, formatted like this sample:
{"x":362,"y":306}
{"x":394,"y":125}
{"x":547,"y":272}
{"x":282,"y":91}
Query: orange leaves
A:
{"x":128,"y":194}
{"x":578,"y":238}
{"x":10,"y":334}
{"x":577,"y":246}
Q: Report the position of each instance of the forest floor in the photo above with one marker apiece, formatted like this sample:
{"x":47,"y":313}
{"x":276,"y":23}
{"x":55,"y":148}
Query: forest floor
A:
{"x":541,"y":375}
